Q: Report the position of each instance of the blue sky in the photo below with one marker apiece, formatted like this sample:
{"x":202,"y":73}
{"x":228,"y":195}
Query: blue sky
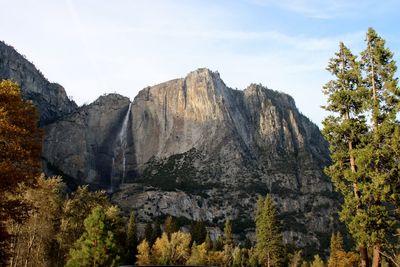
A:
{"x":92,"y":47}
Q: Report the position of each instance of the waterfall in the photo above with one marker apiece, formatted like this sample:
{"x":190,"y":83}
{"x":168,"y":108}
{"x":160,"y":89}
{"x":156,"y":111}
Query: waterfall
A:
{"x":119,"y":152}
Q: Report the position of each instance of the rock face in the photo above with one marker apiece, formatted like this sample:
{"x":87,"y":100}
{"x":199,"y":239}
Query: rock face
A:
{"x":190,"y":147}
{"x":197,"y":149}
{"x":50,"y":98}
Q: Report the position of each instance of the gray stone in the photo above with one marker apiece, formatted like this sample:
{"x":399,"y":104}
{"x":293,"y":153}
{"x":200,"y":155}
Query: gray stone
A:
{"x":50,"y":98}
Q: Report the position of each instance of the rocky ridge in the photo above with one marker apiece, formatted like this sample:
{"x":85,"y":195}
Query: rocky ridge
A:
{"x":50,"y":98}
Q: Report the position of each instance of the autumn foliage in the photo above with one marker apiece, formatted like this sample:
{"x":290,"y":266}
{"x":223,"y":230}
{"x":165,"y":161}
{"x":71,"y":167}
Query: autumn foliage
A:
{"x":20,"y":149}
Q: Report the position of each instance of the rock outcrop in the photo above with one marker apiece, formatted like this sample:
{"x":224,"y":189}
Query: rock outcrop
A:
{"x":197,"y":149}
{"x":50,"y":98}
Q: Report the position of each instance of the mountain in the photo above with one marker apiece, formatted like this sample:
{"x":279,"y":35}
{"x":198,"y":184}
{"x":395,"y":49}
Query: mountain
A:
{"x":195,"y":148}
{"x":192,"y":148}
{"x":50,"y":98}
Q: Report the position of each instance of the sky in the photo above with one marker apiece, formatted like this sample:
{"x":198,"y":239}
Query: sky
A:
{"x":93,"y":47}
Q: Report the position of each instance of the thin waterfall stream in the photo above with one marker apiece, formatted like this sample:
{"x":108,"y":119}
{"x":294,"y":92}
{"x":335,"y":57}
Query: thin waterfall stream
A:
{"x":119,"y":152}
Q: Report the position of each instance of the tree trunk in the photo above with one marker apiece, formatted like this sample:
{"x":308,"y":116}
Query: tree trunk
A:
{"x":374,"y":92}
{"x":363,"y":250}
{"x":377,"y":256}
{"x":364,"y":257}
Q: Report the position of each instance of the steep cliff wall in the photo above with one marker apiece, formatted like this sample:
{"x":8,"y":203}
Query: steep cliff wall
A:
{"x":195,"y":148}
{"x":50,"y":98}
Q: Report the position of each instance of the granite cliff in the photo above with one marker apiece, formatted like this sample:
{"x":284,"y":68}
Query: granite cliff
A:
{"x":50,"y":98}
{"x":197,"y":149}
{"x":190,"y":147}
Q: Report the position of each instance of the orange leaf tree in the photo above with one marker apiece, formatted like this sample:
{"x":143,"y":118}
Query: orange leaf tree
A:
{"x":20,"y":150}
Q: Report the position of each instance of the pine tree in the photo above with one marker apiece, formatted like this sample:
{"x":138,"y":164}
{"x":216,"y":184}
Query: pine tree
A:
{"x":365,"y":156}
{"x":268,"y":234}
{"x":74,"y":211}
{"x":148,"y":234}
{"x":345,"y":131}
{"x":198,"y":231}
{"x":97,"y":245}
{"x":381,"y":156}
{"x":131,"y":239}
{"x":157,"y":232}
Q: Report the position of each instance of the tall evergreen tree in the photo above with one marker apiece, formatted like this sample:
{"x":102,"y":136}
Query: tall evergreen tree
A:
{"x":345,"y":130}
{"x":369,"y":163}
{"x":97,"y":246}
{"x":381,"y":156}
{"x":131,"y":239}
{"x":74,"y":211}
{"x":268,"y":234}
{"x":148,"y":233}
{"x":198,"y":231}
{"x":157,"y":232}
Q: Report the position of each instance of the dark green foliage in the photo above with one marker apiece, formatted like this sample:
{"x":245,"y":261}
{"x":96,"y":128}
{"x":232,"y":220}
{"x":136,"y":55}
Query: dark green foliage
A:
{"x":365,"y":154}
{"x":74,"y":211}
{"x":240,"y":225}
{"x":198,"y":231}
{"x":131,"y":240}
{"x":269,"y":246}
{"x":157,"y":232}
{"x":170,"y":226}
{"x":97,"y":246}
{"x":218,"y":244}
{"x":148,"y":234}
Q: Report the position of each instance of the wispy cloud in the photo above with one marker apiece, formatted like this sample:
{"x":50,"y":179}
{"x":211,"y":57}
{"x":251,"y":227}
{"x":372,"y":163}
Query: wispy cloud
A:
{"x":326,"y":9}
